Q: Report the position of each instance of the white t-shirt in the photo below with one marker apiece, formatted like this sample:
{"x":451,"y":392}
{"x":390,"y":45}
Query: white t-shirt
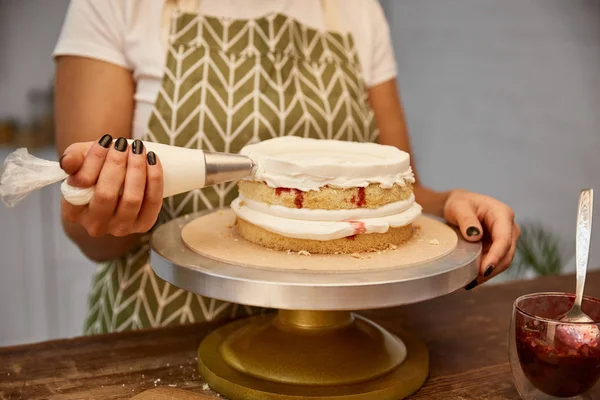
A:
{"x":128,"y":33}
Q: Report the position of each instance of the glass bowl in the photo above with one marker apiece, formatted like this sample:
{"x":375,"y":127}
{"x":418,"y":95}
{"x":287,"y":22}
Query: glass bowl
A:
{"x":553,"y":360}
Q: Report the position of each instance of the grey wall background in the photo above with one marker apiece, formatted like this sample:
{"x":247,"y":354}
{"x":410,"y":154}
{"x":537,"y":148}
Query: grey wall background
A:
{"x":502,"y":97}
{"x":28,"y":32}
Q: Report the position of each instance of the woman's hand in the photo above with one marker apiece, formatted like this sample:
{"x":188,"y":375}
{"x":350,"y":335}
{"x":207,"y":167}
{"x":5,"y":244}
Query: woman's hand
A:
{"x":129,"y":186}
{"x":484,"y":218}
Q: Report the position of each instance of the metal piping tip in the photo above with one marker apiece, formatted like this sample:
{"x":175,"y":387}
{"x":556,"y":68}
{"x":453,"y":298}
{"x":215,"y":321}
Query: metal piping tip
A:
{"x":224,"y":167}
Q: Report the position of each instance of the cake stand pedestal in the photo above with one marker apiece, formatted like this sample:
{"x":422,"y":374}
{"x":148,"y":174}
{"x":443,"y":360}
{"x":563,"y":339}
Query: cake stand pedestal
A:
{"x":313,"y":347}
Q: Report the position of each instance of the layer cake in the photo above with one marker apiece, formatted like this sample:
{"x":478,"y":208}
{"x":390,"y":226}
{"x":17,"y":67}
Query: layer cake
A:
{"x":326,"y":196}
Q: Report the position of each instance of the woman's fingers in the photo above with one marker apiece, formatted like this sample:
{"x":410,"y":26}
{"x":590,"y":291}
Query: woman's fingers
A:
{"x":73,"y":157}
{"x":153,"y":196}
{"x":462,"y":213}
{"x":507,"y":260}
{"x":129,"y":186}
{"x":71,"y":161}
{"x":108,"y":188}
{"x":86,"y":175}
{"x":131,"y":200}
{"x":500,"y":222}
{"x":71,"y":213}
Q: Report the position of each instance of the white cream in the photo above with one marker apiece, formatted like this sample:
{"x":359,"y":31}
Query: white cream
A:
{"x":322,"y":230}
{"x":308,"y":214}
{"x":310,"y":164}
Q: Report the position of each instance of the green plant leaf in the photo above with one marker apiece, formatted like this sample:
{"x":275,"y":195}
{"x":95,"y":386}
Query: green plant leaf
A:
{"x":539,"y":250}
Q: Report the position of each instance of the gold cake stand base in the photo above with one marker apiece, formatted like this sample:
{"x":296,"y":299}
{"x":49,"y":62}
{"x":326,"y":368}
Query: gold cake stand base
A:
{"x":333,"y":355}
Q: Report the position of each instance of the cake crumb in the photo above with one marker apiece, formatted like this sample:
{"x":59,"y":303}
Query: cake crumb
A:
{"x":303,"y":253}
{"x":236,"y":239}
{"x":290,"y":252}
{"x":242,"y":203}
{"x":229,"y":226}
{"x":205,"y":387}
{"x":220,"y":212}
{"x":355,"y":255}
{"x":379,"y":252}
{"x":392,"y":246}
{"x":434,"y":242}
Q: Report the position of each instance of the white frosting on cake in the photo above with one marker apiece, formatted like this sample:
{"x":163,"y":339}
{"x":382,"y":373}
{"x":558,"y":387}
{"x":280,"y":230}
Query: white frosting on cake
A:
{"x":322,"y":229}
{"x":308,"y":214}
{"x":310,"y":164}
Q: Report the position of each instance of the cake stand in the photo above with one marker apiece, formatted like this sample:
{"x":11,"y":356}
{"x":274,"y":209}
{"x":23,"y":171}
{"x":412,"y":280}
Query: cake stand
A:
{"x":313,"y":347}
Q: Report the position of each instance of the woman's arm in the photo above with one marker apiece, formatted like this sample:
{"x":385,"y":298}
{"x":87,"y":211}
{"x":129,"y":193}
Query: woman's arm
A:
{"x":389,"y":114}
{"x":92,"y":98}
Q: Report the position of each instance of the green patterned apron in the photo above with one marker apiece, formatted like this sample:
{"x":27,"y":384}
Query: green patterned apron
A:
{"x":228,"y":83}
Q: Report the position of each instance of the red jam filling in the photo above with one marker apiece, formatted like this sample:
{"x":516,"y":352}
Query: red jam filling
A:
{"x":360,"y":198}
{"x":299,"y":195}
{"x":558,"y":369}
{"x":359,"y":227}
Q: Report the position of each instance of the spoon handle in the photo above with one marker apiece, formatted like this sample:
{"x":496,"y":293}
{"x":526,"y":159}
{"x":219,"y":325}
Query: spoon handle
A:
{"x":582,"y":239}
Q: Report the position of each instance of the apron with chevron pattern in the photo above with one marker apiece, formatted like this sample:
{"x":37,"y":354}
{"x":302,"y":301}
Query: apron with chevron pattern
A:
{"x":228,"y":83}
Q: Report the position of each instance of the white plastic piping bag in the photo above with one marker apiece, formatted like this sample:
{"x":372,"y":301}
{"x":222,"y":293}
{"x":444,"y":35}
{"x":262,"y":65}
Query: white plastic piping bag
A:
{"x":23,"y":173}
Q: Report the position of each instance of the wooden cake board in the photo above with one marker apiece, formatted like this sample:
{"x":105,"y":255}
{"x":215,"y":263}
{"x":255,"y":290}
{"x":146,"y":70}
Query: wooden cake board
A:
{"x":214,"y":236}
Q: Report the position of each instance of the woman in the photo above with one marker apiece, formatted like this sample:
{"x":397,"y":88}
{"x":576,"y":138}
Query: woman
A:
{"x":217,"y":75}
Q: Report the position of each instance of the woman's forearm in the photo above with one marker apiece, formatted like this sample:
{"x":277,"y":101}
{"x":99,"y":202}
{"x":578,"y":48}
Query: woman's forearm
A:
{"x":432,"y":202}
{"x":93,"y":98}
{"x":99,"y":249}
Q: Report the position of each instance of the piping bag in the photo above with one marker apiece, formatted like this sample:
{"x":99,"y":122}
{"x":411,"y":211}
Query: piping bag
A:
{"x":183,"y":170}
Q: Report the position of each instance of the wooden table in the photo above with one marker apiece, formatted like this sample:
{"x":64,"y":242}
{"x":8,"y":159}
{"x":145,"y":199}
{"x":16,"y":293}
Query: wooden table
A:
{"x":466,"y":333}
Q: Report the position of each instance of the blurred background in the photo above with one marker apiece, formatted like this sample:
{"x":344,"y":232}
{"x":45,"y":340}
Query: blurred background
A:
{"x":502,"y":97}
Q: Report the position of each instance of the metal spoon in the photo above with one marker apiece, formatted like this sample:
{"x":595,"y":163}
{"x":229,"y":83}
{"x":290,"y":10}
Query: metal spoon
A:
{"x":575,"y":336}
{"x":582,"y":251}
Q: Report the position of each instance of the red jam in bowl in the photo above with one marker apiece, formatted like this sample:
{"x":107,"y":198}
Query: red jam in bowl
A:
{"x":563,"y":363}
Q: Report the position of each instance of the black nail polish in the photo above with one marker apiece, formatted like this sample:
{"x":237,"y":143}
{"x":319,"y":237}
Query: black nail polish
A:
{"x":151,"y":158}
{"x":472,"y":231}
{"x":121,"y":144}
{"x":60,"y":161}
{"x":105,"y":141}
{"x":471,"y":285}
{"x":137,"y":147}
{"x":488,"y":271}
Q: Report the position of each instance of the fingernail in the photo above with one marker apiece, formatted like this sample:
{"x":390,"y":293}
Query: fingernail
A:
{"x":472,"y":231}
{"x":121,"y":144}
{"x":488,"y":271}
{"x":60,"y":161}
{"x":137,"y":147}
{"x":471,"y":285}
{"x":151,"y":158}
{"x":105,"y":141}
